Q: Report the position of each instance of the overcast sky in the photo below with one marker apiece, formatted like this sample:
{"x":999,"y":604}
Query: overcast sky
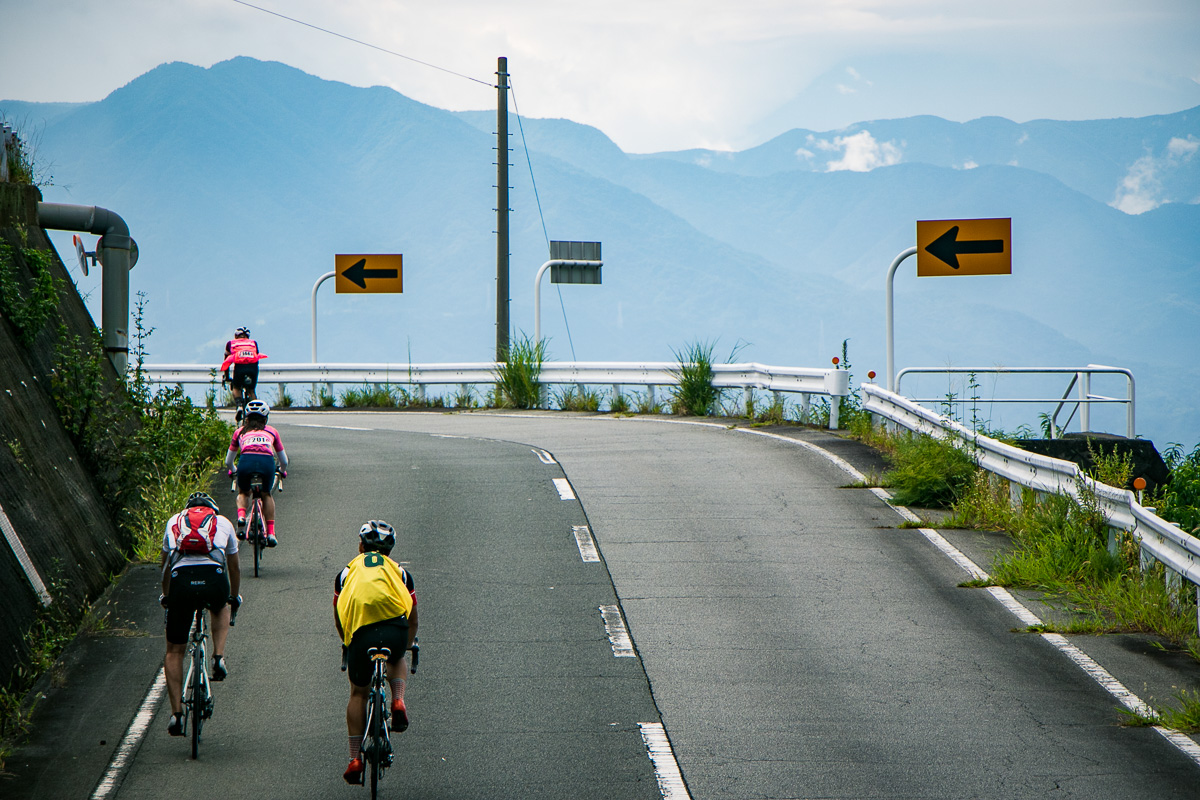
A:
{"x":653,"y":74}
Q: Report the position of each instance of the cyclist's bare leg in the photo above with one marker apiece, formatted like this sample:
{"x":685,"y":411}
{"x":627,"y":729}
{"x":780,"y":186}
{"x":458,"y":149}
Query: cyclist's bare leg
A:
{"x":268,"y":508}
{"x":173,"y":671}
{"x":243,"y":502}
{"x":220,"y":629}
{"x":356,"y":710}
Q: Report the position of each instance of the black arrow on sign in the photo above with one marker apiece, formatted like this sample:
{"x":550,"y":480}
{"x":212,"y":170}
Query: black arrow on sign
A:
{"x":357,"y":273}
{"x":947,"y":247}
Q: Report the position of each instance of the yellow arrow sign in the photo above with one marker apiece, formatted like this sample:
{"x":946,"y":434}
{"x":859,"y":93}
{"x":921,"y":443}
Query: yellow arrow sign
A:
{"x":367,"y":274}
{"x":964,"y":247}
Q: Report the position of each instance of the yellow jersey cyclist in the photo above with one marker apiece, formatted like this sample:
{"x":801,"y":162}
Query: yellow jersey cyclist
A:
{"x":199,"y":570}
{"x":374,"y":605}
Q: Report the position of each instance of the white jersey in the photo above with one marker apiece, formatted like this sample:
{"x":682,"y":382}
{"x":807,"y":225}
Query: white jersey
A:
{"x":225,"y":544}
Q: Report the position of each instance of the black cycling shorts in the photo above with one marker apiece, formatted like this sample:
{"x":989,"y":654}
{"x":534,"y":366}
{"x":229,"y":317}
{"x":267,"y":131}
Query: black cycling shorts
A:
{"x":243,"y":371}
{"x":193,"y":587}
{"x":391,"y":633}
{"x":251,"y":464}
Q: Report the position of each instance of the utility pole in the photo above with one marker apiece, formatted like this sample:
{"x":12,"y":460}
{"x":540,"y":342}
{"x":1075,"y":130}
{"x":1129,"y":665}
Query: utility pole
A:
{"x":502,"y":210}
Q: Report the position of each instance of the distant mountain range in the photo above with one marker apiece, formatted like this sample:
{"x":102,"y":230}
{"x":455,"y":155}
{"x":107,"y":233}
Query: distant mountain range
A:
{"x":240,"y":182}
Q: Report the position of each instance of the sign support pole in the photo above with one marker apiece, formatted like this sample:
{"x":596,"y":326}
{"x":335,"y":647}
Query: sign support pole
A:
{"x":537,"y":288}
{"x":316,"y":286}
{"x":889,"y":321}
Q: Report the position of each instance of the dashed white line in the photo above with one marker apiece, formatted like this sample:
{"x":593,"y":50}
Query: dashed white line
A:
{"x":587,"y":546}
{"x":565,"y":491}
{"x":132,"y":740}
{"x":666,"y":768}
{"x":545,"y":457}
{"x":618,"y":634}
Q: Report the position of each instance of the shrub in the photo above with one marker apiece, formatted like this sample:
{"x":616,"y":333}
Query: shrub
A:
{"x":695,"y":394}
{"x":928,"y":472}
{"x":517,"y":374}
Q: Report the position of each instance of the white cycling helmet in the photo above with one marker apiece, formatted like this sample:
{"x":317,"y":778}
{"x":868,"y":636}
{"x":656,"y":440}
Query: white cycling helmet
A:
{"x":258,"y":408}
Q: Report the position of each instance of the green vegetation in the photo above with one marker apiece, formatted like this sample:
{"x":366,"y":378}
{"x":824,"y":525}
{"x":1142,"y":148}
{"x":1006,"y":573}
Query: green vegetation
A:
{"x":1183,"y":716}
{"x":926,"y":472}
{"x":695,"y":395}
{"x":22,"y":159}
{"x":1179,"y":500}
{"x":147,"y":452}
{"x":579,"y":398}
{"x":30,"y":314}
{"x":517,"y":374}
{"x":382,"y":395}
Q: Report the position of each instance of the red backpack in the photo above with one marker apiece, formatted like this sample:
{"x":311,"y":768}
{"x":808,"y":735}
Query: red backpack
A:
{"x":195,"y":531}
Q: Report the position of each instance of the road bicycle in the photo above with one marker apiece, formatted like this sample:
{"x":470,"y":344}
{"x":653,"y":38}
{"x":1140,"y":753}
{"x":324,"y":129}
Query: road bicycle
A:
{"x":197,"y":690}
{"x":247,"y":395}
{"x":256,"y":523}
{"x":377,"y":743}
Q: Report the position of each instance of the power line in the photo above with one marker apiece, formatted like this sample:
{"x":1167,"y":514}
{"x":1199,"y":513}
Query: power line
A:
{"x":541,"y":216}
{"x":359,"y":41}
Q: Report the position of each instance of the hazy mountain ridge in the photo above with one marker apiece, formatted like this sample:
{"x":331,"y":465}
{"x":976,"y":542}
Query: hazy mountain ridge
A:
{"x":241,"y":181}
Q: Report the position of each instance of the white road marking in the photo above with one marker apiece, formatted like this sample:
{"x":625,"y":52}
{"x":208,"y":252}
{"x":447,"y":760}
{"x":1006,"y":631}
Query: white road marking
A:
{"x":587,"y":546}
{"x":666,"y":768}
{"x":618,"y":635}
{"x":565,"y":491}
{"x":545,"y":457}
{"x":132,"y":740}
{"x":337,"y":427}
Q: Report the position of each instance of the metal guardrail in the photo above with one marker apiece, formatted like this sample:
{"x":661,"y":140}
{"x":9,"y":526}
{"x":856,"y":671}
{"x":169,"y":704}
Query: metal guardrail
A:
{"x":1162,"y":540}
{"x":831,"y":383}
{"x":1079,"y":376}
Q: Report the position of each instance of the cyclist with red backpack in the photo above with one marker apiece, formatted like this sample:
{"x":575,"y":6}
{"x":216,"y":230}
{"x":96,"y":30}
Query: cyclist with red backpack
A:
{"x":199,"y":571}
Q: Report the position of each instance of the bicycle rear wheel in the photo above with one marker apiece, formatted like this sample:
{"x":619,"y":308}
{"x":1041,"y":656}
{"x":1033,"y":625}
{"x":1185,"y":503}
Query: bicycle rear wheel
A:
{"x":257,"y":534}
{"x":377,"y":740}
{"x":198,"y":699}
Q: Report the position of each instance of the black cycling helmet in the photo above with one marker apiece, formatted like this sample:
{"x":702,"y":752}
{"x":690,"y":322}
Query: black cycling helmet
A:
{"x":198,"y":499}
{"x":377,"y":535}
{"x":241,"y":332}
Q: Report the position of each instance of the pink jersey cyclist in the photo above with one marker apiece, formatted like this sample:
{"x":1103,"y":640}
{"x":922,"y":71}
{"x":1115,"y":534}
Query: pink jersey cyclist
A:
{"x":256,"y":446}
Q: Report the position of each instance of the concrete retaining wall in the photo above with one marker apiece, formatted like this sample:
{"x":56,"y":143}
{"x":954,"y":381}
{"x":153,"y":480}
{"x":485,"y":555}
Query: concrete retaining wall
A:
{"x":51,"y":501}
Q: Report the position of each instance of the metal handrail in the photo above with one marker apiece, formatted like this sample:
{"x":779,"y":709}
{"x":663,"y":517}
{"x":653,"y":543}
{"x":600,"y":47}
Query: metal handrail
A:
{"x":1163,"y":540}
{"x":1084,"y":402}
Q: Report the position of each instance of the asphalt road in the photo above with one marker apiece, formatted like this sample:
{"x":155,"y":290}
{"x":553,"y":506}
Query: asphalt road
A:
{"x":793,"y":641}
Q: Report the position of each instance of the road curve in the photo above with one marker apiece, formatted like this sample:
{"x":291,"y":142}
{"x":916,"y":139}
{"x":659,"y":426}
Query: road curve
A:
{"x":793,"y":642}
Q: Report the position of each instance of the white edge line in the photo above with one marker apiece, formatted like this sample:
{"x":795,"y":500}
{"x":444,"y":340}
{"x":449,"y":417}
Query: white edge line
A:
{"x":1115,"y":688}
{"x":335,"y":427}
{"x":666,"y":768}
{"x":564,"y":489}
{"x":544,"y":457}
{"x":132,"y":739}
{"x":618,"y":634}
{"x":587,"y":546}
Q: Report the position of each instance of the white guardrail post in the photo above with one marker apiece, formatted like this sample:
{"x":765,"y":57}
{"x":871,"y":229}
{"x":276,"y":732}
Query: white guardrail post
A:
{"x":1164,"y":541}
{"x":833,"y":384}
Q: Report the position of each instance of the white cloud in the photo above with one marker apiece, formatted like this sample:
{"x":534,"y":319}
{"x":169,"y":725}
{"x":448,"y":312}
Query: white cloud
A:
{"x":804,"y":154}
{"x":1141,"y":189}
{"x":861,"y":153}
{"x":969,"y":164}
{"x":844,"y":89}
{"x":1183,"y":148}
